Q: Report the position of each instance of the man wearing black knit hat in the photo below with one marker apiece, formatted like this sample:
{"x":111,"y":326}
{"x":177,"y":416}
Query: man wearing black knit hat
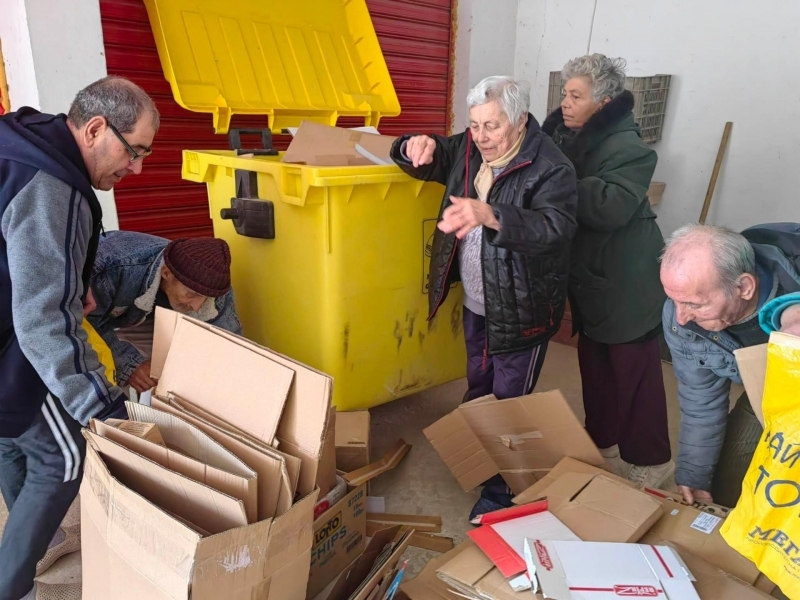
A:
{"x":135,"y":272}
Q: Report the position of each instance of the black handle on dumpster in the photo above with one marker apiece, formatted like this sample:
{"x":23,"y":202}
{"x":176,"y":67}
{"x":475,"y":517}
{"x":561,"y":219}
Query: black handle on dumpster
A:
{"x":235,"y":141}
{"x":251,"y":217}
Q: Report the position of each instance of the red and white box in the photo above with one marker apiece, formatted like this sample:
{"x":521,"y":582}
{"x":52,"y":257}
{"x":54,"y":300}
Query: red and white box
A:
{"x":605,"y":571}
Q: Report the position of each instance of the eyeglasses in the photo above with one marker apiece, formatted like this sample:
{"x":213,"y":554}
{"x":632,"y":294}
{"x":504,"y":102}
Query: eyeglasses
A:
{"x":135,"y":156}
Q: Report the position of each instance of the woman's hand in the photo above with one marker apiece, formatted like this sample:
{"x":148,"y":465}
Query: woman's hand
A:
{"x":420,"y":149}
{"x":465,"y":214}
{"x":691,"y":495}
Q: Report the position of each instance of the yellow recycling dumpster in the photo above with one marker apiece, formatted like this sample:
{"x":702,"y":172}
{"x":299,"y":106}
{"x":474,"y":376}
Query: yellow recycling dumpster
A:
{"x":329,"y":264}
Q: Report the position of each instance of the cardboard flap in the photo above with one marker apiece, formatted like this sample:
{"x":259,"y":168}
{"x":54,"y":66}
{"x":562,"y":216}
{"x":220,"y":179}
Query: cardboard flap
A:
{"x":235,"y":486}
{"x":270,"y":468}
{"x":389,"y":461}
{"x":124,"y":534}
{"x":531,"y":433}
{"x":186,"y":438}
{"x":752,"y":363}
{"x":468,"y":568}
{"x":461,"y":450}
{"x":352,"y":440}
{"x":599,"y":509}
{"x":163,"y":331}
{"x":197,"y":503}
{"x":246,"y":389}
{"x":304,"y":421}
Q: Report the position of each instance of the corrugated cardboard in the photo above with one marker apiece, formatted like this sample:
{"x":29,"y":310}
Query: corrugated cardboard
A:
{"x":146,"y":431}
{"x":388,"y":462}
{"x":302,"y":427}
{"x":426,"y":585}
{"x":598,"y":509}
{"x":520,"y":438}
{"x":275,"y":493}
{"x":262,"y":385}
{"x":339,"y":539}
{"x":203,"y":467}
{"x":752,"y":363}
{"x":325,"y":146}
{"x":698,"y":533}
{"x":133,"y":550}
{"x":195,"y":502}
{"x":713,"y":583}
{"x":326,"y":475}
{"x":352,"y":440}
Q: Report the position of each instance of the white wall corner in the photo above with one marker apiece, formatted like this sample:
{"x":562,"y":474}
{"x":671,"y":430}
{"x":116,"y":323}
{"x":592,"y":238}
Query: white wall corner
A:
{"x":461,"y":48}
{"x":18,"y":55}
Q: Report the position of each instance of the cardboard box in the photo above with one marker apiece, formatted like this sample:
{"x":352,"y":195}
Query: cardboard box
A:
{"x":472,"y":573}
{"x":151,"y":533}
{"x":598,"y":509}
{"x":352,"y":440}
{"x":520,"y":438}
{"x":752,"y":363}
{"x":569,"y":465}
{"x":325,"y":146}
{"x":712,"y":583}
{"x":302,"y":426}
{"x":339,"y":539}
{"x":133,"y":550}
{"x":606,"y":571}
{"x":698,"y":532}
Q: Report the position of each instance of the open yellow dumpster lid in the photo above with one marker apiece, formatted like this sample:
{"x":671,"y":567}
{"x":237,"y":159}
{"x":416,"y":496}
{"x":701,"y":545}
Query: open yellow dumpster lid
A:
{"x":291,"y":60}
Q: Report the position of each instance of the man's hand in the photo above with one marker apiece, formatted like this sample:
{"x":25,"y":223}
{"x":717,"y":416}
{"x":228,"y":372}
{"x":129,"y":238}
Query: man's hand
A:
{"x":692,"y":495}
{"x":420,"y":149}
{"x":466,"y":214}
{"x":140,"y":380}
{"x":90,"y":303}
{"x":790,"y":320}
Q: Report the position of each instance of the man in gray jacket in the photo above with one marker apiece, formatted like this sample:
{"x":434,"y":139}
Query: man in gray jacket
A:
{"x":716,"y":281}
{"x":51,"y":381}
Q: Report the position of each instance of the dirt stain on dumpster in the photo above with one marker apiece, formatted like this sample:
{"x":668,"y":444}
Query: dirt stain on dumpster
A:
{"x":398,"y":334}
{"x":346,"y":340}
{"x":456,"y":323}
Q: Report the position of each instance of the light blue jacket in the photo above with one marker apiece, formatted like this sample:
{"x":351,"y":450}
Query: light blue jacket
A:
{"x":125,"y":281}
{"x":705,"y":366}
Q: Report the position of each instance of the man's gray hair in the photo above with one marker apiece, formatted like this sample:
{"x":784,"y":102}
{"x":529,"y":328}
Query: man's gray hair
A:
{"x":732,"y":254}
{"x":119,"y":100}
{"x":514,"y":96}
{"x":606,"y":75}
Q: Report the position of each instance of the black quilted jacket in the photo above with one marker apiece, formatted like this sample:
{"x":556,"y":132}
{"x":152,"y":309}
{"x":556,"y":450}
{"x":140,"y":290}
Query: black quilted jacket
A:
{"x":525,"y":264}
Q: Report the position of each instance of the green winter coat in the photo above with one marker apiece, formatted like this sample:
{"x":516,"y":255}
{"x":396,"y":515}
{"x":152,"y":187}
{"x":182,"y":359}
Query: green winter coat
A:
{"x":614,"y":286}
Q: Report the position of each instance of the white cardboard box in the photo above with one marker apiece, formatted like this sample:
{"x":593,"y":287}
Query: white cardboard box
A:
{"x":608,"y":571}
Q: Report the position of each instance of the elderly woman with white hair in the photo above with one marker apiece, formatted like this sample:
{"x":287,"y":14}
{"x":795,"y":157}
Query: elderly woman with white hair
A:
{"x":505,"y":228}
{"x":615,"y":293}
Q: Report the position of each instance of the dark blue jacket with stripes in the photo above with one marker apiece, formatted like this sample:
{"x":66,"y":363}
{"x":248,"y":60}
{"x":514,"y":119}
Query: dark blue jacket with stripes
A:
{"x":50,"y":222}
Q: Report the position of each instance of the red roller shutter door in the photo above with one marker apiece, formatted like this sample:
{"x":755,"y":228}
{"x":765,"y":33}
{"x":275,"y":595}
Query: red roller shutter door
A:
{"x":415,"y":37}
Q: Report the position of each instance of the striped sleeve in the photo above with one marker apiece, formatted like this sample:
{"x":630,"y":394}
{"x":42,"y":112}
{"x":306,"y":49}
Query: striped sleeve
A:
{"x":47,"y":228}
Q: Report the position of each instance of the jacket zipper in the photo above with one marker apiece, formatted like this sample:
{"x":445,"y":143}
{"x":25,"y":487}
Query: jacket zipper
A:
{"x":455,"y":245}
{"x":485,"y":361}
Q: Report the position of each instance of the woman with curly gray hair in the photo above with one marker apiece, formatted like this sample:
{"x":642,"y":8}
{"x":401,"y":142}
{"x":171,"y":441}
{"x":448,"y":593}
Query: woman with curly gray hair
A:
{"x":615,"y":291}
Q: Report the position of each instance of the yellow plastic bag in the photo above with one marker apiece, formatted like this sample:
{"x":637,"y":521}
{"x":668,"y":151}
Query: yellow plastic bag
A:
{"x":765,"y":525}
{"x":102,"y":349}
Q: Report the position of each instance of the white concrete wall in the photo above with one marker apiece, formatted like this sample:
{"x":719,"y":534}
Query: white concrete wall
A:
{"x":485,"y":45}
{"x":731,"y":60}
{"x":52,"y":50}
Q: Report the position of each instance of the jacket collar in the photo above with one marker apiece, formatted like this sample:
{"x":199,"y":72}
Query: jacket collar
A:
{"x":602,"y":121}
{"x":528,"y":151}
{"x":146,"y":302}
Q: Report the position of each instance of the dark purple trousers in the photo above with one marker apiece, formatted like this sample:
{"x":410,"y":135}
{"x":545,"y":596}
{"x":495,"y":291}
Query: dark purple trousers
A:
{"x":504,"y":375}
{"x":624,"y":398}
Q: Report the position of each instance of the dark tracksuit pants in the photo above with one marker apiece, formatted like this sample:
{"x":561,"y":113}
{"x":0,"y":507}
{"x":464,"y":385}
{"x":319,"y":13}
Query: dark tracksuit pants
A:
{"x":624,"y":399}
{"x":504,"y":375}
{"x":40,"y":476}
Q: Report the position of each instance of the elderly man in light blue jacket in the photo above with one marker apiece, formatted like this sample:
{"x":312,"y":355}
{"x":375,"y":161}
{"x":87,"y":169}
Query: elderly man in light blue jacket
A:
{"x":716,"y":281}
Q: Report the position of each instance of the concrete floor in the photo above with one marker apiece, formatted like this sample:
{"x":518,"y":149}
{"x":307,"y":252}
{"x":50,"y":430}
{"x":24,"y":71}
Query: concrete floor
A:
{"x":422,"y":484}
